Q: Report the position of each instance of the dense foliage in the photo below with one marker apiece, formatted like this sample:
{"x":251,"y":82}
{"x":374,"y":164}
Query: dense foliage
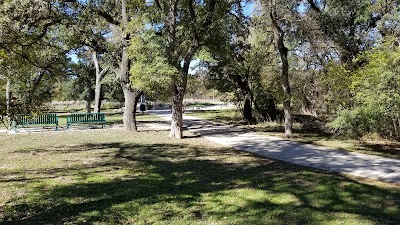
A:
{"x":375,"y":88}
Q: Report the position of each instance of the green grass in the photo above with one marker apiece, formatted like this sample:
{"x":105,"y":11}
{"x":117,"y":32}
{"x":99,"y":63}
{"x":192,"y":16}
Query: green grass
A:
{"x":302,"y":133}
{"x":223,"y":116}
{"x":112,"y":177}
{"x":116,"y":118}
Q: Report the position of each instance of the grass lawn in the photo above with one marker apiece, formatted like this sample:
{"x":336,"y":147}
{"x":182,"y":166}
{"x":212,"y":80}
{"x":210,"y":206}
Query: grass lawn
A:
{"x":366,"y":145}
{"x":112,"y":177}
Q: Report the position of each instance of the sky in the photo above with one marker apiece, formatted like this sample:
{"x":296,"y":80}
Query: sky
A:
{"x":248,"y":8}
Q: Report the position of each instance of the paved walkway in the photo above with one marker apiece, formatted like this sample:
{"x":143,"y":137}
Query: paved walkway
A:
{"x":302,"y":154}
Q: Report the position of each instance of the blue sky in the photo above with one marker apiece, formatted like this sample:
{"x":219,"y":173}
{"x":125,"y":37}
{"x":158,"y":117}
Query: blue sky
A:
{"x":248,"y":8}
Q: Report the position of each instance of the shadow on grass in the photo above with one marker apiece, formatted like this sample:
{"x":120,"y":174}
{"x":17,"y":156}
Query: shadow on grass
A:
{"x":201,"y":184}
{"x":389,"y":149}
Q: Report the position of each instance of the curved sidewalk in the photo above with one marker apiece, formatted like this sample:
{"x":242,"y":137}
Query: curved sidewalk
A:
{"x":356,"y":164}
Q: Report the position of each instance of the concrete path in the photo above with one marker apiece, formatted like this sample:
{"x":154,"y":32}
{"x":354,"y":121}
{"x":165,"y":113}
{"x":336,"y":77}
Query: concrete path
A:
{"x":302,"y":154}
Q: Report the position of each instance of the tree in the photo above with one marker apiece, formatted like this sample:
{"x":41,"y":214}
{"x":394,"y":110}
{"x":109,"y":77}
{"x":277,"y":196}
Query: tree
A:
{"x":150,"y":71}
{"x":233,"y":66}
{"x":351,"y":25}
{"x":185,"y":27}
{"x":92,"y":37}
{"x":32,"y":51}
{"x":99,"y":76}
{"x":342,"y":31}
{"x":117,"y":15}
{"x":278,"y":14}
{"x":82,"y":76}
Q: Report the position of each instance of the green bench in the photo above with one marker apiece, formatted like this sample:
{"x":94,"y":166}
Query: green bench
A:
{"x":86,"y":118}
{"x":42,"y":119}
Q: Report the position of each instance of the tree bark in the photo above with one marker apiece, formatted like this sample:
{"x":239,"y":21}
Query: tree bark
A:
{"x":88,"y":95}
{"x":97,"y":90}
{"x":8,"y":96}
{"x":247,"y":109}
{"x":129,"y":118}
{"x":179,"y":93}
{"x":88,"y":104}
{"x":131,"y":96}
{"x":247,"y":97}
{"x":283,"y":51}
{"x":180,"y":86}
{"x":177,"y":114}
{"x":177,"y":103}
{"x":99,"y":76}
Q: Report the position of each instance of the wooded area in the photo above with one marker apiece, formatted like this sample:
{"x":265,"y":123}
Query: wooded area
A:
{"x":332,"y":59}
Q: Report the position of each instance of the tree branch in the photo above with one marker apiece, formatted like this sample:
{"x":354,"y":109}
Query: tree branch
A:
{"x":211,"y":9}
{"x":191,"y":10}
{"x":107,"y":17}
{"x":314,"y":6}
{"x":101,"y":13}
{"x":275,"y":23}
{"x":157,"y":2}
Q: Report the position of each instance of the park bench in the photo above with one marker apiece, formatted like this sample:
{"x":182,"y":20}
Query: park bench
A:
{"x":86,"y":118}
{"x":42,"y":119}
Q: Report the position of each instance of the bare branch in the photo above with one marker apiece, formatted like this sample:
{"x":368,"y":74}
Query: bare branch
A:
{"x":314,"y":6}
{"x":157,"y":2}
{"x":191,"y":10}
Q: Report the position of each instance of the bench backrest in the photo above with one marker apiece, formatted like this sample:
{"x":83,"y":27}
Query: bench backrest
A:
{"x":26,"y":119}
{"x":85,"y":117}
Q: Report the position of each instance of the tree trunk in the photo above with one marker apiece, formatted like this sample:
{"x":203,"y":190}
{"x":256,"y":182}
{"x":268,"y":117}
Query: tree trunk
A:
{"x":131,"y":96}
{"x":97,"y":93}
{"x":131,"y":100}
{"x":177,"y":117}
{"x":97,"y":90}
{"x":88,"y":104}
{"x":247,"y":109}
{"x":8,"y":96}
{"x":283,"y":51}
{"x":88,"y":95}
{"x":286,"y":89}
{"x":179,"y":93}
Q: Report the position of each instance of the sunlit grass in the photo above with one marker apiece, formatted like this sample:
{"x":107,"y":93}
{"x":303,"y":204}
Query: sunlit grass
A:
{"x":223,"y":116}
{"x":113,"y":177}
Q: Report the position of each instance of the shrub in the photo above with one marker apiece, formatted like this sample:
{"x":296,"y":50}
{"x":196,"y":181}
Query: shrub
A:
{"x":376,"y":91}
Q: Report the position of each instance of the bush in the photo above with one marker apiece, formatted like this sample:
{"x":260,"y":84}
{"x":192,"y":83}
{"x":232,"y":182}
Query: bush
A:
{"x":376,"y":93}
{"x":360,"y":121}
{"x":111,"y":105}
